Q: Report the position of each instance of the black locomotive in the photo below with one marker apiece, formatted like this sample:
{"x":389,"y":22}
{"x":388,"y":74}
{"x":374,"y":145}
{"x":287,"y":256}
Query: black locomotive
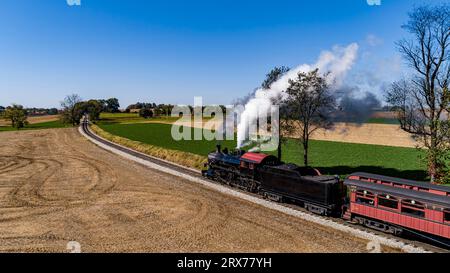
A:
{"x":266,"y":175}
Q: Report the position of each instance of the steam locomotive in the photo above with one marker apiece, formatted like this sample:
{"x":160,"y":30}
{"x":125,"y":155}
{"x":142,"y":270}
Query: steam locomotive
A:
{"x":387,"y":204}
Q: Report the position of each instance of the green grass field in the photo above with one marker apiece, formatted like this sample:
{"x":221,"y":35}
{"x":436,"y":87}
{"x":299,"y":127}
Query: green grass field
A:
{"x":330,"y":157}
{"x":160,"y":135}
{"x":383,"y":121}
{"x":109,"y":118}
{"x":37,"y":126}
{"x":118,"y":115}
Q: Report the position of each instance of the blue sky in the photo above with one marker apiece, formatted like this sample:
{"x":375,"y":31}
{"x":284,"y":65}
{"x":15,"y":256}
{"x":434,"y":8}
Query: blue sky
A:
{"x":171,"y":51}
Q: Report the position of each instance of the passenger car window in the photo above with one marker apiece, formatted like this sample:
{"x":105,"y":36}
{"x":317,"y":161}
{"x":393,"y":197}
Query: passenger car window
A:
{"x":365,"y":197}
{"x":388,"y":201}
{"x":447,"y":216}
{"x":413,"y":208}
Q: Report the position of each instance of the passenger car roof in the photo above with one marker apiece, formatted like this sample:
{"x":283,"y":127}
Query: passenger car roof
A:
{"x":403,"y":181}
{"x":424,"y":197}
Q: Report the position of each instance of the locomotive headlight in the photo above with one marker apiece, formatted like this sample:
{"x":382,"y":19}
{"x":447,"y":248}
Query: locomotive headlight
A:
{"x":365,"y":192}
{"x":413,"y":202}
{"x":388,"y":197}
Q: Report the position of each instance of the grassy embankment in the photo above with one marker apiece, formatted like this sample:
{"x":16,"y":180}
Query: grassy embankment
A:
{"x":182,"y":157}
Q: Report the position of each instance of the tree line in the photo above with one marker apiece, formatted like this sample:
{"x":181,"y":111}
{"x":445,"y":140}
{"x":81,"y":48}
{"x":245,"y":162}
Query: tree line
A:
{"x":74,"y":108}
{"x":34,"y":111}
{"x":148,"y":110}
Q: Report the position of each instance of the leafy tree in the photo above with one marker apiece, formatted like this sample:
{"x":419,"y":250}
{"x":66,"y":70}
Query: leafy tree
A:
{"x":17,"y":115}
{"x":93,"y":108}
{"x":308,"y":107}
{"x":112,"y":105}
{"x":52,"y":111}
{"x":422,"y":102}
{"x":164,"y":109}
{"x":146,"y":113}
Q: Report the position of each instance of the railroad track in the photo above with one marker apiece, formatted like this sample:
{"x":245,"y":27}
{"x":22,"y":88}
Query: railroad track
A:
{"x":195,"y":176}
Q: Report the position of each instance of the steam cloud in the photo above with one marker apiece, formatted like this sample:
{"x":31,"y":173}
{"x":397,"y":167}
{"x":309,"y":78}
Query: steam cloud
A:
{"x":353,"y":108}
{"x":335,"y":64}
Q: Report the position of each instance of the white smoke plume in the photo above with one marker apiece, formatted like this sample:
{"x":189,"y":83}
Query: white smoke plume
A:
{"x":337,"y":63}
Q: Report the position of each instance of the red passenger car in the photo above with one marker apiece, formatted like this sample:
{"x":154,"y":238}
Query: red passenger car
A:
{"x":393,"y":205}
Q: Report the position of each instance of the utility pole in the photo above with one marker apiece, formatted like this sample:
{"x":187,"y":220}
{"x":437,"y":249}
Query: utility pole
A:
{"x":279,"y":143}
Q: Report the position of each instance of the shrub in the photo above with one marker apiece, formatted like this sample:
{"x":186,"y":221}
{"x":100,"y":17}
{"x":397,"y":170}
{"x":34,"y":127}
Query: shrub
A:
{"x":146,"y":113}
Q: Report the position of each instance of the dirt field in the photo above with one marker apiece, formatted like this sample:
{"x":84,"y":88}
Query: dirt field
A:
{"x":57,"y":187}
{"x":33,"y":120}
{"x":377,"y":134}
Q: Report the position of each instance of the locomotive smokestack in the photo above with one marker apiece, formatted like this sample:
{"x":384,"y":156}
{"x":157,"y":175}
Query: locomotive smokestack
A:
{"x":218,"y":148}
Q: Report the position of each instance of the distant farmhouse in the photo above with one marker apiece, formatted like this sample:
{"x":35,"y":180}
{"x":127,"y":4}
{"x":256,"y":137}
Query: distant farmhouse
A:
{"x":156,"y":109}
{"x":133,"y":110}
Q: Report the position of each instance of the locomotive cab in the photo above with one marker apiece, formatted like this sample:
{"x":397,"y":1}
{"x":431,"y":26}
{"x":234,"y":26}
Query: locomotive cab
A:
{"x":252,"y":162}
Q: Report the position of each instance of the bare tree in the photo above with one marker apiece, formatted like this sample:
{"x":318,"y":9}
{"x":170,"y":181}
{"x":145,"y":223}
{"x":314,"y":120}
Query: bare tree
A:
{"x":274,"y":75}
{"x":69,"y":114}
{"x":422,"y":103}
{"x":308,"y":106}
